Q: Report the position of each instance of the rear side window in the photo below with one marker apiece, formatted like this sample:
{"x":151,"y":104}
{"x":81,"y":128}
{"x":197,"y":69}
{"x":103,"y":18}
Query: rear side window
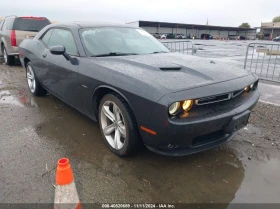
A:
{"x":9,"y":23}
{"x":1,"y":24}
{"x":30,"y":24}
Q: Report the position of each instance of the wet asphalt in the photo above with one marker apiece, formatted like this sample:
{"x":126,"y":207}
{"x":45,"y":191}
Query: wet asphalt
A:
{"x":36,"y":131}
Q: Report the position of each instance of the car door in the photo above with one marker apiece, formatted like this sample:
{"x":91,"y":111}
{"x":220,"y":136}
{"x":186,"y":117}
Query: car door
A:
{"x":62,"y":75}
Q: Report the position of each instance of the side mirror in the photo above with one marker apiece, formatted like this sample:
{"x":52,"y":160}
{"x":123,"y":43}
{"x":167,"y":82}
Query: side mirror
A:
{"x":59,"y":50}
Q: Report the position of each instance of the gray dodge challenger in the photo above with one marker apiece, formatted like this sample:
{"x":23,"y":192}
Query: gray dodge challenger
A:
{"x":139,"y":91}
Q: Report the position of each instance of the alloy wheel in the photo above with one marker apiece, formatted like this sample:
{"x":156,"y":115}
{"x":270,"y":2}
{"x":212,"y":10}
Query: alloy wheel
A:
{"x":31,"y":78}
{"x":113,"y":125}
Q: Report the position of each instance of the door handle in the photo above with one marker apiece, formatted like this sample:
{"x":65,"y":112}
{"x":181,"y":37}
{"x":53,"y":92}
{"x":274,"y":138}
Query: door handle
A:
{"x":44,"y":54}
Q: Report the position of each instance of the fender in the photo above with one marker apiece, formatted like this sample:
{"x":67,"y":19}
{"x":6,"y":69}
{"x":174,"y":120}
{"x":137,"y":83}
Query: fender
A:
{"x":113,"y":89}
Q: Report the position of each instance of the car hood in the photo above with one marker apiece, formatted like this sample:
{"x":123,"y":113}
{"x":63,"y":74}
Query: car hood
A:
{"x":173,"y":71}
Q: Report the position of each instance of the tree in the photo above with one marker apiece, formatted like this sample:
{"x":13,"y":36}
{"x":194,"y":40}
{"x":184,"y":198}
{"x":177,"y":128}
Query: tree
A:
{"x":276,"y":19}
{"x":245,"y":25}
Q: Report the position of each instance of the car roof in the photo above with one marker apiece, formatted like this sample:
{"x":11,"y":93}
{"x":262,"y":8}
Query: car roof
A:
{"x":91,"y":24}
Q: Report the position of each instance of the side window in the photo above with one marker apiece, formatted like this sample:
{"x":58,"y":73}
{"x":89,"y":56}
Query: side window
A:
{"x":9,"y":23}
{"x":45,"y":39}
{"x":2,"y":24}
{"x":64,"y":38}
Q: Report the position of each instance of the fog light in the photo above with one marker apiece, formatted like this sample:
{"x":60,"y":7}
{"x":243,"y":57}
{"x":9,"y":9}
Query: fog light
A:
{"x":187,"y":105}
{"x":247,"y":88}
{"x":173,"y":109}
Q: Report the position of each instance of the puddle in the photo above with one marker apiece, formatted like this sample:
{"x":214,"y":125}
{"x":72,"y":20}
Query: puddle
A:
{"x":7,"y":98}
{"x":261,"y":183}
{"x":20,"y":99}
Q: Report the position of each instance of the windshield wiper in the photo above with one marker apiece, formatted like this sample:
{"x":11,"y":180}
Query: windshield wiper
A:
{"x":158,"y":52}
{"x":113,"y":54}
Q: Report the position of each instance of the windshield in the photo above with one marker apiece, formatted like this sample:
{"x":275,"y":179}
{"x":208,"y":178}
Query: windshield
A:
{"x":119,"y":41}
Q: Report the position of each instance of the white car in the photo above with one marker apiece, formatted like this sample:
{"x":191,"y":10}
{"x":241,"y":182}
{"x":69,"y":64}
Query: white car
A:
{"x":180,"y":36}
{"x":163,"y":36}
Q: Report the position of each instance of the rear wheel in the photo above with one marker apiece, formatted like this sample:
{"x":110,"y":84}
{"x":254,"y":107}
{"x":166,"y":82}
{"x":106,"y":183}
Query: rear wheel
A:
{"x":33,"y":84}
{"x":9,"y":60}
{"x":118,"y":126}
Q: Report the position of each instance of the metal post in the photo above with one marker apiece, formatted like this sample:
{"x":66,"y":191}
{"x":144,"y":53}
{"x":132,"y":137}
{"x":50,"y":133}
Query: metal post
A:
{"x":257,"y":62}
{"x":275,"y":63}
{"x":272,"y":33}
{"x":252,"y":56}
{"x":192,"y":33}
{"x":269,"y":60}
{"x":245,"y":64}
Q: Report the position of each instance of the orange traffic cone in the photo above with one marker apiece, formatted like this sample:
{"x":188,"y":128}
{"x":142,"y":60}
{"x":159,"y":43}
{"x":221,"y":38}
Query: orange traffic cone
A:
{"x":66,"y":196}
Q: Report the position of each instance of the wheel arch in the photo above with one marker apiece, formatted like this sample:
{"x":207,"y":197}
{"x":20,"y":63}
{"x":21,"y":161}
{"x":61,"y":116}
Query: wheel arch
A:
{"x":100,"y":91}
{"x":25,"y":61}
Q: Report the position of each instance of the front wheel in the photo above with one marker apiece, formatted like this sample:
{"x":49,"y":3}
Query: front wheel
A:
{"x":117,"y":125}
{"x":33,"y":84}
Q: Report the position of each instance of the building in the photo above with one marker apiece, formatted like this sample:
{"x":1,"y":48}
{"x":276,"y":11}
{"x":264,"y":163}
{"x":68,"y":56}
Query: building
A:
{"x":193,"y":30}
{"x":270,"y":30}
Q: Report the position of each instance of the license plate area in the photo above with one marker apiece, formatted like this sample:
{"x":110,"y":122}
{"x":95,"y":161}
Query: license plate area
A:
{"x":238,"y":122}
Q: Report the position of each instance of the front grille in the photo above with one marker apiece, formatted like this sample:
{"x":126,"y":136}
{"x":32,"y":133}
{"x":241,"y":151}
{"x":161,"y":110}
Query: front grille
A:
{"x":213,"y":99}
{"x":218,"y":98}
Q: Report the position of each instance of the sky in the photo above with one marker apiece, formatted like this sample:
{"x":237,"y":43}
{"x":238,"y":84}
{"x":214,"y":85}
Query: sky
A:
{"x":218,"y":12}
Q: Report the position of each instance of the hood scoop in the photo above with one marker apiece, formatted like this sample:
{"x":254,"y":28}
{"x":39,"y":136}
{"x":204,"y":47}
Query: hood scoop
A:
{"x":170,"y":68}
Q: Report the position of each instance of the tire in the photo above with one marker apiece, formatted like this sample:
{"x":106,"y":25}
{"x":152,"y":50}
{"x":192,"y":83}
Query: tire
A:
{"x":128,"y":143}
{"x":9,"y":60}
{"x":34,"y":86}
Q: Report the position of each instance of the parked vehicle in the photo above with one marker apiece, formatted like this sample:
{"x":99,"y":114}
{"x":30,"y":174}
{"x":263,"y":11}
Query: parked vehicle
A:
{"x":277,"y":39}
{"x":138,"y":91}
{"x":180,"y":36}
{"x":170,"y":36}
{"x":241,"y":38}
{"x":159,"y":36}
{"x":156,"y":35}
{"x":163,"y":36}
{"x":232,"y":37}
{"x":206,"y":36}
{"x":14,"y":29}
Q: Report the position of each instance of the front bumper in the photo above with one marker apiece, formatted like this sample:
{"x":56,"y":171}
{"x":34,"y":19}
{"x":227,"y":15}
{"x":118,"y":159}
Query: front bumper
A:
{"x":178,"y":138}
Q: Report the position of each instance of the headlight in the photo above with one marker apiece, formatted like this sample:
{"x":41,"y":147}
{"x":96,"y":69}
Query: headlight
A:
{"x":173,"y":109}
{"x":252,"y":86}
{"x":247,"y":88}
{"x":187,"y":105}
